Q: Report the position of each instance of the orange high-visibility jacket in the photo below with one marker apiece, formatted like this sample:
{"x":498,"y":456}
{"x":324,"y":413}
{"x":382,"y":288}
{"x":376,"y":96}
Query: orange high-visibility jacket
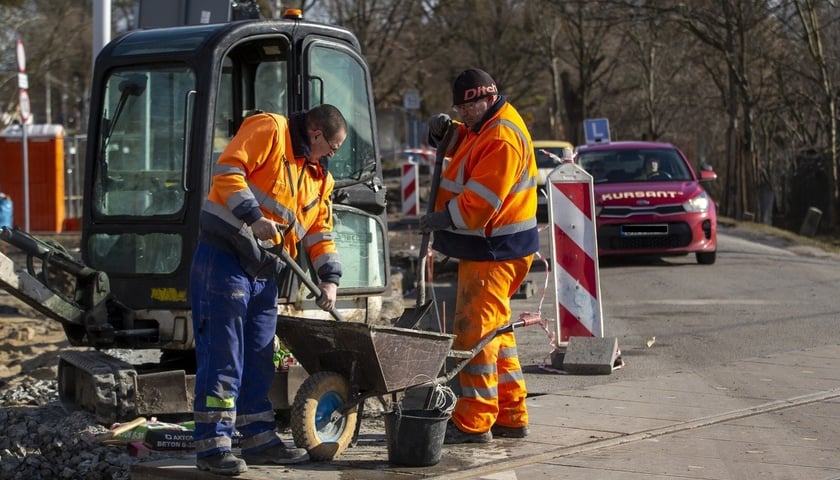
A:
{"x":489,"y":189}
{"x":259,"y":175}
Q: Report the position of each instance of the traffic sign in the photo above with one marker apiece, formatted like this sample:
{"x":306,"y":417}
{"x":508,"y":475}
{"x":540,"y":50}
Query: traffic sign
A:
{"x":24,"y":106}
{"x":574,"y":249}
{"x":410,"y":192}
{"x":21,"y":56}
{"x":596,"y":130}
{"x":411,"y":100}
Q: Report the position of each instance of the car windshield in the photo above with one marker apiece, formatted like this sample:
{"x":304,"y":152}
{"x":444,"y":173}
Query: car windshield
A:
{"x":634,"y":165}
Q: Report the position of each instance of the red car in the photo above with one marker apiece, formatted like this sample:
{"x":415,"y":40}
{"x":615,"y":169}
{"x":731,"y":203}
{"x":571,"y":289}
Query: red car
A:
{"x":650,"y":201}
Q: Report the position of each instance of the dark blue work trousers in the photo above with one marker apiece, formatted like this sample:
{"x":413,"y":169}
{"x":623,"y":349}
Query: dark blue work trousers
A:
{"x":234,"y":321}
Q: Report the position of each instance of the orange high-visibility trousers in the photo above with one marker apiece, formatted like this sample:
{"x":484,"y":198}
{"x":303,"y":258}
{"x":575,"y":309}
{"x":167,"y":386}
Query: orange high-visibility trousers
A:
{"x":492,"y":384}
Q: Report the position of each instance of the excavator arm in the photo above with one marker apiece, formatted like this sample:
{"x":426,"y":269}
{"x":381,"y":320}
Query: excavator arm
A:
{"x":64,"y":289}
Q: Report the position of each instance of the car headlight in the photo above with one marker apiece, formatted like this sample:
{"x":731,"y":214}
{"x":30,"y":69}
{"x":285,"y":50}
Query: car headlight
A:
{"x":698,"y":204}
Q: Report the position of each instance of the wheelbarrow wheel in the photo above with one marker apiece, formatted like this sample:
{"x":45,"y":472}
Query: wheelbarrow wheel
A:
{"x":317,"y":424}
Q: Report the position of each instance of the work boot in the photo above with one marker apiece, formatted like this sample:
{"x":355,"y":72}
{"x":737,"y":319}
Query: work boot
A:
{"x":456,"y":435}
{"x":277,"y":454}
{"x":509,"y":432}
{"x":224,"y":463}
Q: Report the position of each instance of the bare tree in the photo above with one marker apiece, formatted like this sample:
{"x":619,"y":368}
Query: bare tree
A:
{"x":491,"y":35}
{"x":386,"y":30}
{"x":752,"y":80}
{"x":660,"y":70}
{"x":589,"y":53}
{"x":809,"y":14}
{"x":734,"y":29}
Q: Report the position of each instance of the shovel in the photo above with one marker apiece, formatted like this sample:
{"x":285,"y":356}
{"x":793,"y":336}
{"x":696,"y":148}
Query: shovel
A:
{"x":411,"y":317}
{"x":306,"y":279}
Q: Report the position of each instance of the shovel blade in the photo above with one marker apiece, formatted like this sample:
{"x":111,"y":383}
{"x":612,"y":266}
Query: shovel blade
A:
{"x":411,"y":317}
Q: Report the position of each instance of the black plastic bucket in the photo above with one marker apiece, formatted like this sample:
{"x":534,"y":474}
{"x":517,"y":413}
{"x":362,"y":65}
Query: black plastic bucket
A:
{"x":415,"y":437}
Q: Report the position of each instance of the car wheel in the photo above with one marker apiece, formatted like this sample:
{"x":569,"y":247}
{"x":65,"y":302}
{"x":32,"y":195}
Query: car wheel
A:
{"x":706,"y":258}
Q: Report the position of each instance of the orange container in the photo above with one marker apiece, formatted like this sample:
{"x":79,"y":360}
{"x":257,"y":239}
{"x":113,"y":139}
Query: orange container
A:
{"x":45,"y":145}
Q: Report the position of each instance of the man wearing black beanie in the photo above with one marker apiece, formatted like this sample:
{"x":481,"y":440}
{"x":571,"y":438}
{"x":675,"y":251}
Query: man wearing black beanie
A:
{"x":485,"y":215}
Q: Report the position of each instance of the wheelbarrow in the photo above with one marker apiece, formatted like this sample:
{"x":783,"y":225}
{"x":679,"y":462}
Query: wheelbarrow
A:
{"x":349,"y":362}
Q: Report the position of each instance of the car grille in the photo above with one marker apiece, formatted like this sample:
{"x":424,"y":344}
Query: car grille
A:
{"x":622,"y":212}
{"x":678,"y":235}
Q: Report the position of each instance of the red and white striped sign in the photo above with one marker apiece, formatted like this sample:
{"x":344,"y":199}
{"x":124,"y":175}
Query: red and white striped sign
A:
{"x":574,"y":250}
{"x":409,"y":189}
{"x":23,"y":84}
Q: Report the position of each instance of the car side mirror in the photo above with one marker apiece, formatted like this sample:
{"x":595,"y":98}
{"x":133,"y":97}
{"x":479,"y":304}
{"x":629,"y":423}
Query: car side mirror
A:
{"x":707,"y":174}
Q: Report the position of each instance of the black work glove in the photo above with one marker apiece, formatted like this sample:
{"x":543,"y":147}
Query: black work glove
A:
{"x":435,"y":221}
{"x":438,"y":124}
{"x":340,"y":196}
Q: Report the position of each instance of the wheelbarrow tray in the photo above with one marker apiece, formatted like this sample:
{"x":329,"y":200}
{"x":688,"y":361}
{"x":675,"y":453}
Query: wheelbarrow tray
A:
{"x":374,"y":359}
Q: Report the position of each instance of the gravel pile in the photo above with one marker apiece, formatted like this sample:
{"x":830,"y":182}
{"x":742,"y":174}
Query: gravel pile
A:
{"x":40,"y":440}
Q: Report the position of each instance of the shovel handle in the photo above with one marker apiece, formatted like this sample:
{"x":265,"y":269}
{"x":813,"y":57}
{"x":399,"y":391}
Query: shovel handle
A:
{"x":122,"y":428}
{"x":306,"y":279}
{"x":445,"y":144}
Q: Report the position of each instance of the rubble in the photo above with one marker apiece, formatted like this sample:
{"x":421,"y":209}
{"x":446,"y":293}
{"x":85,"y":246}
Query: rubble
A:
{"x":45,"y":442}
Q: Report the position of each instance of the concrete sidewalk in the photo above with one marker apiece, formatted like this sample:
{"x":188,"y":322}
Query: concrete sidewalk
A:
{"x":773,"y":417}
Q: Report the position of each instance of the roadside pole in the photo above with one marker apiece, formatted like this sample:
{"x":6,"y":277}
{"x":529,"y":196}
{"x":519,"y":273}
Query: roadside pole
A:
{"x":23,"y":84}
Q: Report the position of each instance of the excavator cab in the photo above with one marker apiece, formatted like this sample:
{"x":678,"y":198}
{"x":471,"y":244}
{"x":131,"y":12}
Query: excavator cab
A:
{"x":165,"y":103}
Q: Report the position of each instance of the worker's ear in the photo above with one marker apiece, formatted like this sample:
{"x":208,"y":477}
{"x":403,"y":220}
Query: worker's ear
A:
{"x":313,"y":135}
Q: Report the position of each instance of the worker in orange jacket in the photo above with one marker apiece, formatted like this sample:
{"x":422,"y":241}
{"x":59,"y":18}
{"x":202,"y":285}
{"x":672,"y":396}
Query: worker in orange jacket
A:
{"x":271,"y":183}
{"x":485,"y":216}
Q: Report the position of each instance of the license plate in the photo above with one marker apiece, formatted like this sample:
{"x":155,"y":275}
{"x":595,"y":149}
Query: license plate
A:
{"x":644,"y":230}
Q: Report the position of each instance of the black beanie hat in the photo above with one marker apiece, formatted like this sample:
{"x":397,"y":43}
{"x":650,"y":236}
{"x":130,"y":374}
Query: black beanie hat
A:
{"x":471,"y":85}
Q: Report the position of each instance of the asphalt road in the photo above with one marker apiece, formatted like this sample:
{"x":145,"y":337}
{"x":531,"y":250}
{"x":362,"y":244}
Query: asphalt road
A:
{"x":757,"y":299}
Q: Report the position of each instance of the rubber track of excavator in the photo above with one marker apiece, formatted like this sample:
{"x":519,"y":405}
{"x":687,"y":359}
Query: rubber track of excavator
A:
{"x":99,"y":383}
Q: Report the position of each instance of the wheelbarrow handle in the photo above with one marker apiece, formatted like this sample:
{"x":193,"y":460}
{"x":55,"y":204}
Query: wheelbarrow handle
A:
{"x":307,"y":280}
{"x":465,"y":356}
{"x":525,"y":320}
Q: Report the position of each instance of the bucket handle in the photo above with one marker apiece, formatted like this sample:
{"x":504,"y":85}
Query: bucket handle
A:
{"x":443,"y":396}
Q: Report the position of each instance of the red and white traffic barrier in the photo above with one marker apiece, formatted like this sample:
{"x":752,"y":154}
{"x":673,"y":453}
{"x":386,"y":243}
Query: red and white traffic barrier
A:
{"x":410,"y":190}
{"x":574,"y":250}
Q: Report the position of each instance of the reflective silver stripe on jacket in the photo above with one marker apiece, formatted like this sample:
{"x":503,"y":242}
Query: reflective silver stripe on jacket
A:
{"x":457,"y":187}
{"x":228,"y":217}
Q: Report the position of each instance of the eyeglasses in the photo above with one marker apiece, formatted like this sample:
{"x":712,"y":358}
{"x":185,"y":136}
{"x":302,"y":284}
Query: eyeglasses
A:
{"x":467,"y":107}
{"x":333,"y":149}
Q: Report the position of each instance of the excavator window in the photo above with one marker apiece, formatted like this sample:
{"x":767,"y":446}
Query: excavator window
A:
{"x":254,"y":78}
{"x":337,"y":76}
{"x":142,"y":142}
{"x":140,"y":170}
